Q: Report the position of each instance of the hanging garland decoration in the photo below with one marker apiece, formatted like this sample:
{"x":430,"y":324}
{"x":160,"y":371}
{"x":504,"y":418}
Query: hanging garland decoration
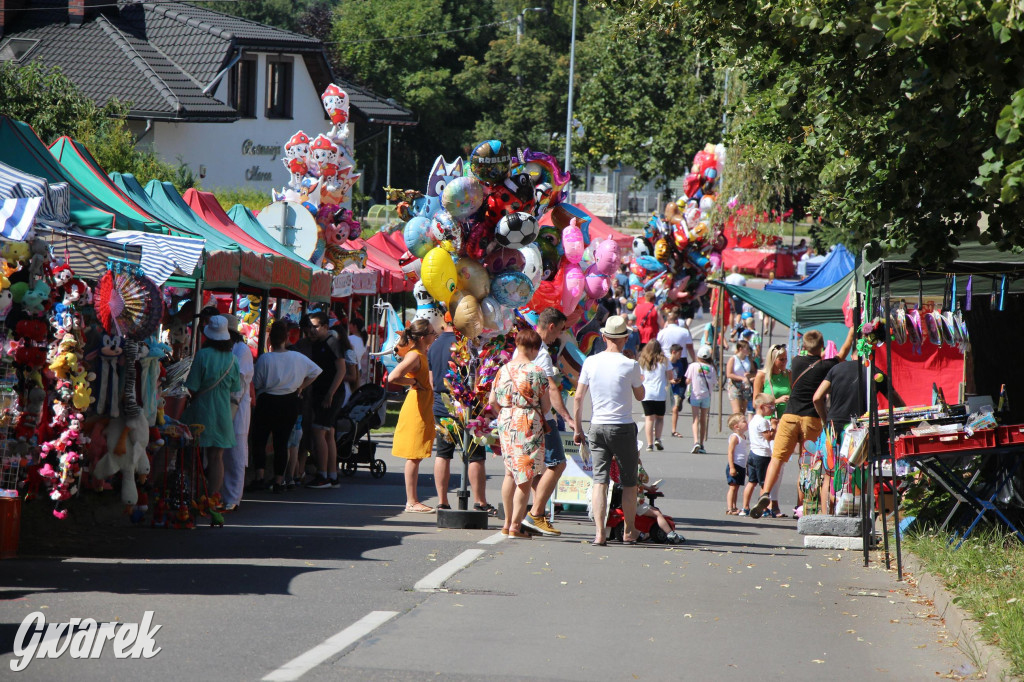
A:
{"x":127,"y":302}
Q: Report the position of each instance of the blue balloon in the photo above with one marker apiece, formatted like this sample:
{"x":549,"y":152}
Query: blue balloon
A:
{"x":512,"y":289}
{"x":650,"y":263}
{"x":417,"y":236}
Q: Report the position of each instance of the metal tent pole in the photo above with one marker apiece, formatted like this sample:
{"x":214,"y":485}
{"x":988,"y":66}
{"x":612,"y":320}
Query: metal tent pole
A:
{"x":264,"y":305}
{"x":892,"y":425}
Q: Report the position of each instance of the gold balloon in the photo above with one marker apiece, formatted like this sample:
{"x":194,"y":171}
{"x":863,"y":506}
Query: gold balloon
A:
{"x":467,"y":317}
{"x":473,"y":278}
{"x":661,"y":249}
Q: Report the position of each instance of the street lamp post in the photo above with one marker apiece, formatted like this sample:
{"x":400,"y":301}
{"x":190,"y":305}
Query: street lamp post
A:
{"x":572,"y":73}
{"x":521,"y":22}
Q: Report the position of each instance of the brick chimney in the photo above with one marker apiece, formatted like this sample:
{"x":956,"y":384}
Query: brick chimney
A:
{"x":7,"y":13}
{"x":80,"y":10}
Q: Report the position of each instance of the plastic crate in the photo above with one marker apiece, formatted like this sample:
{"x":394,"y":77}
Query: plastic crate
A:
{"x":1012,"y":434}
{"x":911,"y":446}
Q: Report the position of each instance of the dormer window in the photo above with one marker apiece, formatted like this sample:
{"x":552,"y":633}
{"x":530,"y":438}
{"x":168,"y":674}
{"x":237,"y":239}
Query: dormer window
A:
{"x":279,"y":87}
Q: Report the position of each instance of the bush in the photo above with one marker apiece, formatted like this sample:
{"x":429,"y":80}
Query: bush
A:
{"x":250,"y":197}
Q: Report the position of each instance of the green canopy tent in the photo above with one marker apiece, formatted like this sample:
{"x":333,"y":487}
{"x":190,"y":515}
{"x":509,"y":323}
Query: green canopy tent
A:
{"x":782,"y":307}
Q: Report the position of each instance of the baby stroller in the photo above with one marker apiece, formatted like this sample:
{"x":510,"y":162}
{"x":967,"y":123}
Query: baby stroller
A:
{"x":361,"y":414}
{"x":645,"y":525}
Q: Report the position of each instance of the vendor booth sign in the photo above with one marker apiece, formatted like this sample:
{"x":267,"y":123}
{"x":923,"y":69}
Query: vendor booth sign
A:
{"x":364,"y":280}
{"x":341,"y":285}
{"x":578,"y":477}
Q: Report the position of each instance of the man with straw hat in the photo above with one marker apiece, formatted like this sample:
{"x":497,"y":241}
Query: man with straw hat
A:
{"x":611,"y":380}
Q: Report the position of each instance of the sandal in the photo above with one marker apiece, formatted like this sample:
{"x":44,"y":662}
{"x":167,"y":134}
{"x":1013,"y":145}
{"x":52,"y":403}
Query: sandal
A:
{"x":676,"y":434}
{"x":419,"y":509}
{"x":732,"y":512}
{"x":444,"y":506}
{"x":489,"y":508}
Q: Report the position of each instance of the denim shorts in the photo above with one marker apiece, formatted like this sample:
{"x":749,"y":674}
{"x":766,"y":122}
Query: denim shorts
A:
{"x":295,"y":437}
{"x":739,"y":479}
{"x":618,"y":441}
{"x":554,"y":453}
{"x":704,"y":402}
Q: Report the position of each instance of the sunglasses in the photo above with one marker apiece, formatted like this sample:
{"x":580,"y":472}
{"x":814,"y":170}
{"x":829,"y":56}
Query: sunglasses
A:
{"x":779,"y":346}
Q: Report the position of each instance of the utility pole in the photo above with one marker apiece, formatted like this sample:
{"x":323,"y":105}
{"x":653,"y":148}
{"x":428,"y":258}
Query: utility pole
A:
{"x":521,"y":22}
{"x":572,"y":73}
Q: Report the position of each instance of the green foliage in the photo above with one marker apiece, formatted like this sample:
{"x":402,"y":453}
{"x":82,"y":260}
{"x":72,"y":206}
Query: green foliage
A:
{"x":252,"y":199}
{"x":646,"y":98}
{"x":898,"y":116}
{"x":283,"y":14}
{"x":53,"y":106}
{"x":986,"y":577}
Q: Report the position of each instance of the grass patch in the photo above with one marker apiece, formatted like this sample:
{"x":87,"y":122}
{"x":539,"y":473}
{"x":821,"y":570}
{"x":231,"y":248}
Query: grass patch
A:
{"x":390,"y":418}
{"x":986,"y":577}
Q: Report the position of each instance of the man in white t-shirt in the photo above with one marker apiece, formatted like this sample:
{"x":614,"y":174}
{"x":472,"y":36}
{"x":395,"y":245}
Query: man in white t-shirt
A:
{"x":674,"y":333}
{"x":612,"y":380}
{"x":735,"y":278}
{"x":550,"y":324}
{"x":356,"y":339}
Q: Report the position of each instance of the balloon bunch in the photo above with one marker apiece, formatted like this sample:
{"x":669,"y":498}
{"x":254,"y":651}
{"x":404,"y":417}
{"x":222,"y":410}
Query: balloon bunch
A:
{"x":322,"y":169}
{"x":679,"y":250}
{"x":474,"y":244}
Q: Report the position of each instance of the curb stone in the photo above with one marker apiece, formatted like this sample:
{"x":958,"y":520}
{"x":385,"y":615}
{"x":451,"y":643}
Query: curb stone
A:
{"x":962,"y":626}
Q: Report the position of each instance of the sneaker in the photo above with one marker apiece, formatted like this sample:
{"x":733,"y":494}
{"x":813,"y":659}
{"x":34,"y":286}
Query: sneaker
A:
{"x":701,"y":450}
{"x":319,"y":483}
{"x":763,"y":503}
{"x":290,"y":484}
{"x":650,"y":448}
{"x":695,"y":449}
{"x":335,"y":482}
{"x":658,"y":445}
{"x":541,"y":525}
{"x":744,"y":512}
{"x":278,"y":488}
{"x":674,"y":538}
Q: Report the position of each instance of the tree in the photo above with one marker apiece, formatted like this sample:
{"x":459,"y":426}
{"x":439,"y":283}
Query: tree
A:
{"x":647,"y":99}
{"x":53,"y":106}
{"x":900,"y":117}
{"x":284,"y":14}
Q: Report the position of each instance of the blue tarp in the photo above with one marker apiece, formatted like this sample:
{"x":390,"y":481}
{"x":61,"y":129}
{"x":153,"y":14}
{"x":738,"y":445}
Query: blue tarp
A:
{"x":838,"y":265}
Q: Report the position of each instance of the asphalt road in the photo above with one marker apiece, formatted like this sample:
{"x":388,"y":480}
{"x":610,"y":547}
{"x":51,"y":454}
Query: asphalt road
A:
{"x":319,"y":585}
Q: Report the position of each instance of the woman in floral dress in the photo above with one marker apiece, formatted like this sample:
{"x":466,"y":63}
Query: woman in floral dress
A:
{"x":520,"y":396}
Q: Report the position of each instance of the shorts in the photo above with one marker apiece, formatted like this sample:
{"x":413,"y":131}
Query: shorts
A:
{"x":757,"y":468}
{"x":791,"y":432}
{"x":295,"y":437}
{"x":446,"y":448}
{"x":326,"y":417}
{"x":614,"y":440}
{"x":739,"y":391}
{"x":677,"y":400}
{"x":739,"y":479}
{"x":653,"y":408}
{"x":554,"y":453}
{"x":704,"y":403}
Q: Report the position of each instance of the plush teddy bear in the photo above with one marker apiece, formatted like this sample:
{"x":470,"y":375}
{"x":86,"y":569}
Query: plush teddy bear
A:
{"x":127,"y":438}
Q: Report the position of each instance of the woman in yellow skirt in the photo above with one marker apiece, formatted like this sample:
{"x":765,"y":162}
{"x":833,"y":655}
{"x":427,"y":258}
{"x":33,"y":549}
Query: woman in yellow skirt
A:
{"x":414,"y":434}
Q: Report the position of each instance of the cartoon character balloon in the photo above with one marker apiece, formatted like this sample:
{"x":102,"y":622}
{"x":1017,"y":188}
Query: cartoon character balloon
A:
{"x":323,"y":156}
{"x":595,"y":283}
{"x":474,"y":279}
{"x":534,"y":266}
{"x":490,"y":162}
{"x":606,"y":257}
{"x":462,"y":197}
{"x":572,"y":242}
{"x":417,"y":235}
{"x":512,"y":289}
{"x":573,"y":287}
{"x":438,"y":275}
{"x":501,"y":259}
{"x":426,"y":307}
{"x":335,"y":101}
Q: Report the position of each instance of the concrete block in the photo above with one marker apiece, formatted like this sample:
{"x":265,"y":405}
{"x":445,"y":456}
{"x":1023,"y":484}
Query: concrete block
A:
{"x":833,"y":542}
{"x":840,"y":526}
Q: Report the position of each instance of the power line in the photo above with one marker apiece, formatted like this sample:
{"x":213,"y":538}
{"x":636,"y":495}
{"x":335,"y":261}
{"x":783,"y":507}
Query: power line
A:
{"x":60,"y":7}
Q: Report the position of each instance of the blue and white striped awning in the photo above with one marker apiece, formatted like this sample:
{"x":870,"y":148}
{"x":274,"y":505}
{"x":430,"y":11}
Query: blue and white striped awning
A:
{"x":18,"y":216}
{"x":87,"y":256}
{"x":55,"y":208}
{"x":163,"y":255}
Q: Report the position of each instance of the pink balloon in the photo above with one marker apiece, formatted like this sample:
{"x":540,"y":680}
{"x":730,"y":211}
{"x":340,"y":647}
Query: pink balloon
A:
{"x":595,"y":283}
{"x":572,"y":289}
{"x":572,"y":242}
{"x":606,"y":257}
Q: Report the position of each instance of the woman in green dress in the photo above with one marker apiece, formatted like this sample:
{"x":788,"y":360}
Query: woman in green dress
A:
{"x":774,"y":380}
{"x":211,"y":382}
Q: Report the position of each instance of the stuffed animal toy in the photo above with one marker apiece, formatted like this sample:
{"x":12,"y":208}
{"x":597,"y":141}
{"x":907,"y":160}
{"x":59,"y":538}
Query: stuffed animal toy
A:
{"x":177,"y":336}
{"x":40,"y":257}
{"x":81,"y":394}
{"x":16,"y":252}
{"x":159,"y":514}
{"x":127,"y":438}
{"x":153,"y":352}
{"x":111,"y":350}
{"x":35,"y":299}
{"x":34,"y":330}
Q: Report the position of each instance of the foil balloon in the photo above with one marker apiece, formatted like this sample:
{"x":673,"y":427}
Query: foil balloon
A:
{"x":438,"y":274}
{"x":650,"y":264}
{"x":549,"y":258}
{"x":641,"y":247}
{"x":443,"y":228}
{"x":637,"y":270}
{"x":462,"y":197}
{"x":700,"y":231}
{"x":661,"y":250}
{"x":467,"y":317}
{"x":490,"y":162}
{"x":534,"y":266}
{"x":426,"y":307}
{"x":473,"y":278}
{"x":550,"y":234}
{"x":680,"y":237}
{"x":417,"y":235}
{"x":501,"y":259}
{"x":497,"y":319}
{"x":606,"y":257}
{"x":572,"y":242}
{"x":697,"y":259}
{"x":706,"y":202}
{"x":595,"y":283}
{"x":411,"y":266}
{"x":572,"y":288}
{"x":512,"y":289}
{"x":549,"y":180}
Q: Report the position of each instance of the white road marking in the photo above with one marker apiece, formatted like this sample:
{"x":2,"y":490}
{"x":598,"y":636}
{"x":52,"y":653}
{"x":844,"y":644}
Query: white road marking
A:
{"x":494,"y":539}
{"x":297,"y":667}
{"x":436,"y":578}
